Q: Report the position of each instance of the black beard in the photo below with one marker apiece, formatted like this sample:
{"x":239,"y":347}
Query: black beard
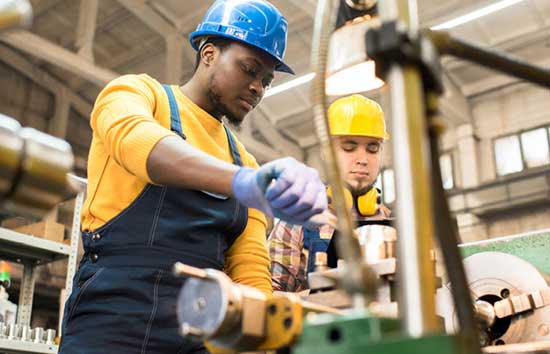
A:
{"x":220,"y":110}
{"x":359,"y":192}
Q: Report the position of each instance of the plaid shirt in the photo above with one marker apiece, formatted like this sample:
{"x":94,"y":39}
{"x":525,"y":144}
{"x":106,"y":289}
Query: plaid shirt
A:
{"x":289,"y":258}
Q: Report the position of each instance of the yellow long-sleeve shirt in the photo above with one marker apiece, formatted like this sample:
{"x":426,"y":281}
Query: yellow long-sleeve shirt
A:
{"x":130,"y":116}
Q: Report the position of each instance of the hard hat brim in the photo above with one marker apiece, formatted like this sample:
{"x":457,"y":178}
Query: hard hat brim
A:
{"x":280,"y":66}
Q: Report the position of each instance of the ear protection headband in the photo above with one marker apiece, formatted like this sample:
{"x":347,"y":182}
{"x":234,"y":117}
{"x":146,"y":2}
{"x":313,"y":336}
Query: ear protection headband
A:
{"x":365,"y":204}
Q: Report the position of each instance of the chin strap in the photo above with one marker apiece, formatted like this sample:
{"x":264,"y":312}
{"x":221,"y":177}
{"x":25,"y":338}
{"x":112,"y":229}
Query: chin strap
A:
{"x":366,"y":204}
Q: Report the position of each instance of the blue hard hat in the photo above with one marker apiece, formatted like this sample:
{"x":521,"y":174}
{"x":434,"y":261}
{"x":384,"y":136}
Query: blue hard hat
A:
{"x":254,"y":22}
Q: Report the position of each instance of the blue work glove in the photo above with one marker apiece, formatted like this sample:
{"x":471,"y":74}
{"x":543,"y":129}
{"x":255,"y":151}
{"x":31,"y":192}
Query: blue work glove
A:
{"x":283,"y":188}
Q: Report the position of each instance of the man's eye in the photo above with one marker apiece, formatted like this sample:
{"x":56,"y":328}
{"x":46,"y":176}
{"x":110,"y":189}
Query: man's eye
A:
{"x":249,"y":71}
{"x":348,"y":148}
{"x":373,"y":148}
{"x":266,"y":83}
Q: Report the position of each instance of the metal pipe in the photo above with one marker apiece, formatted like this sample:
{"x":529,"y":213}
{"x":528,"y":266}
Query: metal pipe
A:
{"x":447,"y":236}
{"x":347,"y":245}
{"x":412,"y":167}
{"x":447,"y":44}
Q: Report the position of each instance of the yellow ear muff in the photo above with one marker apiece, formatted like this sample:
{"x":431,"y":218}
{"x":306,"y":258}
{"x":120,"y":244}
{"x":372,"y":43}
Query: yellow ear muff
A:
{"x":367,"y":203}
{"x":347,"y":195}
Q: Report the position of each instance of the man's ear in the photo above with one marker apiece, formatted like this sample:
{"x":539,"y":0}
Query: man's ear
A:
{"x":208,"y":53}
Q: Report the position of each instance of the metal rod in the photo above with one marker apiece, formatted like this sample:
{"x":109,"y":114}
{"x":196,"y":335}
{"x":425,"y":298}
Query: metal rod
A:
{"x":181,"y":269}
{"x":348,"y":247}
{"x":447,"y":44}
{"x":447,"y":236}
{"x":318,"y":308}
{"x":412,"y":167}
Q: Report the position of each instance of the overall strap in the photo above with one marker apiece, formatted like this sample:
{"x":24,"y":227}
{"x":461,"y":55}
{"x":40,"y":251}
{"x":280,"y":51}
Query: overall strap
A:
{"x":235,"y":154}
{"x":175,"y":123}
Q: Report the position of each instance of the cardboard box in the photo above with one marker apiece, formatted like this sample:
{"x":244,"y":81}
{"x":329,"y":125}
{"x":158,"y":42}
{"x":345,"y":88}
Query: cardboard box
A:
{"x":15,"y":222}
{"x":48,"y":230}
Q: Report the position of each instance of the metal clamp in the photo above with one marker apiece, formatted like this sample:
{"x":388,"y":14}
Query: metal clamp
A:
{"x":514,"y":305}
{"x":391,"y":43}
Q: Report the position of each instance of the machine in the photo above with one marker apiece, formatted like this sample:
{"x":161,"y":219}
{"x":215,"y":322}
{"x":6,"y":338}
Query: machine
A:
{"x":495,"y":300}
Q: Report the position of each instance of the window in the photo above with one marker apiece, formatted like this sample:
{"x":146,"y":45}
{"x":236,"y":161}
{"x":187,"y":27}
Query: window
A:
{"x":528,"y":149}
{"x":534,"y":146}
{"x":446,"y":165}
{"x":508,"y":155}
{"x":388,"y":191}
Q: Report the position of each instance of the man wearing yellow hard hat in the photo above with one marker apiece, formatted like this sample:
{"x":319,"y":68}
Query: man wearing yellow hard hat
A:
{"x":358,"y":130}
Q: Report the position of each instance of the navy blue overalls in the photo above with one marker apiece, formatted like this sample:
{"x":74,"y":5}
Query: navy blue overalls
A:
{"x":314,"y":243}
{"x":124,"y":295}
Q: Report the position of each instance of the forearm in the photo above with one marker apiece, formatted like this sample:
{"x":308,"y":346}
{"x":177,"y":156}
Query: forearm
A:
{"x":175,"y":162}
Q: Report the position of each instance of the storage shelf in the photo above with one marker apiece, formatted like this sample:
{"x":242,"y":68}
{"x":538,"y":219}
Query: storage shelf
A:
{"x":20,"y":347}
{"x":17,"y":247}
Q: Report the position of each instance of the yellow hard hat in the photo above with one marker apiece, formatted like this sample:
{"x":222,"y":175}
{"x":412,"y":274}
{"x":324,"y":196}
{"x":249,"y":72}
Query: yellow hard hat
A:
{"x":357,"y":115}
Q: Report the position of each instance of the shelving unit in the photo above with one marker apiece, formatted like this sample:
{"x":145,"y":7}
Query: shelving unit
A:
{"x":20,"y":347}
{"x":31,"y":252}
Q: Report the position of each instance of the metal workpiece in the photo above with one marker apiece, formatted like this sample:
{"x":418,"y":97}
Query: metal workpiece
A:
{"x":232,"y":316}
{"x":210,"y":305}
{"x":37,"y":335}
{"x":11,"y":151}
{"x":377,"y":242}
{"x":33,"y":169}
{"x":26,"y":333}
{"x":517,"y":292}
{"x":484,"y":313}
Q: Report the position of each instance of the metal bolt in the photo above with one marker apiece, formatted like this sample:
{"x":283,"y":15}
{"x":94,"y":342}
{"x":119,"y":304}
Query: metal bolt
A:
{"x":37,"y":335}
{"x":50,"y":336}
{"x":12,"y":331}
{"x":504,"y":293}
{"x":26,"y":333}
{"x":3,"y":329}
{"x":200,"y":304}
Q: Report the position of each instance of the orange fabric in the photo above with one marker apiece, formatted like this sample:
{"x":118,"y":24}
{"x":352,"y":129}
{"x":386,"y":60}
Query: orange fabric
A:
{"x":130,"y":116}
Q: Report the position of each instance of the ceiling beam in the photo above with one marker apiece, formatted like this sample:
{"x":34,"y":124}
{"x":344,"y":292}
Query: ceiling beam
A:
{"x":148,"y":16}
{"x":264,"y":126}
{"x":59,"y":56}
{"x":43,"y":79}
{"x":175,"y":50}
{"x":85,"y":30}
{"x":262,"y":152}
{"x":40,"y":7}
{"x":59,"y":123}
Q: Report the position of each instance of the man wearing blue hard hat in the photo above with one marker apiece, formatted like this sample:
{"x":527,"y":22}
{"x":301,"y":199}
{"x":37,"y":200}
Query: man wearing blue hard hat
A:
{"x":168,"y":181}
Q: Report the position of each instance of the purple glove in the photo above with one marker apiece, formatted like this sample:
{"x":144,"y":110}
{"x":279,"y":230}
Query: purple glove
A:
{"x":283,"y":188}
